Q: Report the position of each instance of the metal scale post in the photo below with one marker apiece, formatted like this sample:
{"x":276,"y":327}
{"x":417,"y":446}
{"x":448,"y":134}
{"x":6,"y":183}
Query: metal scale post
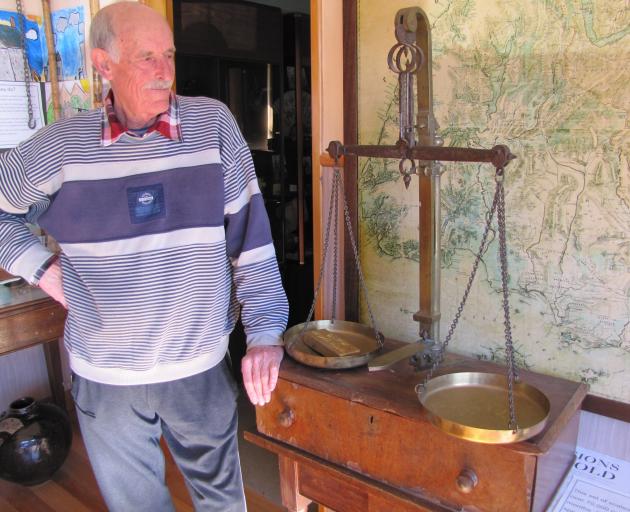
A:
{"x":413,"y":28}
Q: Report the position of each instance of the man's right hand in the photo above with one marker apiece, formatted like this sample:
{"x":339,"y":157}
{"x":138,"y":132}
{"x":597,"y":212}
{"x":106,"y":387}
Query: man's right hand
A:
{"x":50,"y":282}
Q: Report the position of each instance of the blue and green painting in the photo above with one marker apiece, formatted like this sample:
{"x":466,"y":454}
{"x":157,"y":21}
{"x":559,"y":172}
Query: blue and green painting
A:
{"x":69,"y":32}
{"x":12,"y":28}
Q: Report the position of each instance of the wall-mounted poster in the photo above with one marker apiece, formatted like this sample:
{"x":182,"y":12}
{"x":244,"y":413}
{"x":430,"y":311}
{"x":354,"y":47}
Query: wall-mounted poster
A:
{"x":74,"y":97}
{"x":69,"y":31}
{"x":11,"y":60}
{"x":14,"y":114}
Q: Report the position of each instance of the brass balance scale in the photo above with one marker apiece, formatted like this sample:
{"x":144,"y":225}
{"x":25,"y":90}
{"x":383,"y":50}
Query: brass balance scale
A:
{"x":477,"y":406}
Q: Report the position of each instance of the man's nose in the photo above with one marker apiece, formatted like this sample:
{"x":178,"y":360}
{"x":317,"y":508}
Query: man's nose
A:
{"x":164,"y":68}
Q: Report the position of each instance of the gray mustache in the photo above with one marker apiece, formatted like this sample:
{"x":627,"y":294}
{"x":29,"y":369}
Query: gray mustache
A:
{"x":159,"y":84}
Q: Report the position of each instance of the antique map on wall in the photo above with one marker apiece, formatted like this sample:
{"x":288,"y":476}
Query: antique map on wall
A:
{"x":550,"y":80}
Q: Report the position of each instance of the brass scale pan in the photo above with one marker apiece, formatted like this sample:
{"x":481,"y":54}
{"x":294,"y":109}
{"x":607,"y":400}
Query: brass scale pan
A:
{"x":474,"y":406}
{"x":358,"y":335}
{"x":468,"y":405}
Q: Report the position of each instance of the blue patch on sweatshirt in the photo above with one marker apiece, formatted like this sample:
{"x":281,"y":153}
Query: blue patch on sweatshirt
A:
{"x":146,"y":203}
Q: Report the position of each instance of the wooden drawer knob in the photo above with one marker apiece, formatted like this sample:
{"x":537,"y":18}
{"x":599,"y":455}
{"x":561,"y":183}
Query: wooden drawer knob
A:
{"x":467,"y":480}
{"x":286,"y":417}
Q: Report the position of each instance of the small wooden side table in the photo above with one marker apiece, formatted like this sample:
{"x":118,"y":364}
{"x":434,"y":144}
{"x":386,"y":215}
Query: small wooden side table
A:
{"x":29,"y":317}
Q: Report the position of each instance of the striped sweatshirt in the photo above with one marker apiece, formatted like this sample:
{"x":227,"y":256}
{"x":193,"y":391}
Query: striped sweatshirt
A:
{"x":163,"y":242}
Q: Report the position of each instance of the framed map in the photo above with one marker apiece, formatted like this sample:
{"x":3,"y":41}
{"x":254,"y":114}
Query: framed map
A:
{"x":548,"y":79}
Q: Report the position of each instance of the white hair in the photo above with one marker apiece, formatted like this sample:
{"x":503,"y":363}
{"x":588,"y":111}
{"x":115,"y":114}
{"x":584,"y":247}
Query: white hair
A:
{"x":102,"y":34}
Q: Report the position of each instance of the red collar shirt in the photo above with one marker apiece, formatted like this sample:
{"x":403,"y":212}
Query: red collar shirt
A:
{"x":167,"y":123}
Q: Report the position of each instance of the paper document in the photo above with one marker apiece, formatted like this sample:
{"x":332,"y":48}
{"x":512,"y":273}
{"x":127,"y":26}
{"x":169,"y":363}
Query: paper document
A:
{"x":14,"y":112}
{"x":596,"y":483}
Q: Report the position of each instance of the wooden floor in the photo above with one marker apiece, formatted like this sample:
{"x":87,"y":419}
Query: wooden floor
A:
{"x":73,"y":489}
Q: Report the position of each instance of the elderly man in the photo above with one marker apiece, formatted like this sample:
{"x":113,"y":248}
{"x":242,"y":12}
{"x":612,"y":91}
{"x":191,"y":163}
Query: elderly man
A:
{"x":164,"y":239}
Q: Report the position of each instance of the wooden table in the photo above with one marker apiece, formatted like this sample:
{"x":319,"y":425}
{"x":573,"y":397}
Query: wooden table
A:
{"x":29,"y":317}
{"x":353,"y":440}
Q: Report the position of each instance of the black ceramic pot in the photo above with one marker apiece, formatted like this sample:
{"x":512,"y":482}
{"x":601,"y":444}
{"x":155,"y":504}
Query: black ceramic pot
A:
{"x":35,"y":439}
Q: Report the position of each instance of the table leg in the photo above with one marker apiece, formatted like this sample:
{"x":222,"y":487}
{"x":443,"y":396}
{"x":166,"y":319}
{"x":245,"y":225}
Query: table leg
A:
{"x":289,"y":485}
{"x":55,"y":373}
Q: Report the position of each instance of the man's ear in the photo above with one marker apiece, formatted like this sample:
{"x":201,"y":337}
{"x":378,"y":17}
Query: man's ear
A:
{"x":102,"y":61}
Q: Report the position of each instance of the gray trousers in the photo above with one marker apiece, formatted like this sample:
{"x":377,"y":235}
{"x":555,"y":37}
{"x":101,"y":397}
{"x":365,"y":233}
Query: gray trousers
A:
{"x":122,"y":425}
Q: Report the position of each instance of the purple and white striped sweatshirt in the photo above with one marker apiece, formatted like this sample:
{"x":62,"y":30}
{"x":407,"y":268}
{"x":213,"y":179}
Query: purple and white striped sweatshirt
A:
{"x":161,"y":241}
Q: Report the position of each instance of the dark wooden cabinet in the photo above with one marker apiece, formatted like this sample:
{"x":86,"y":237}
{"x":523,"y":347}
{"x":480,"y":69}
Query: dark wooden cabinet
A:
{"x":371,"y":428}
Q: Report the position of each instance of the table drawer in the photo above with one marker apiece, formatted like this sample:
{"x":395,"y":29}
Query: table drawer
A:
{"x":411,"y":455}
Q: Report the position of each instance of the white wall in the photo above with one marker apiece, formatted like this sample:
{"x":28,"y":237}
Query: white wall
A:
{"x":23,"y":373}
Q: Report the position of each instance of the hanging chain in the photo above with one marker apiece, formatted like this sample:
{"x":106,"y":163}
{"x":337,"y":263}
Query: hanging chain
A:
{"x":27,"y":69}
{"x":498,"y":205}
{"x":509,"y":347}
{"x":335,"y":203}
{"x":378,"y":335}
{"x":471,"y":278}
{"x":337,"y":186}
{"x":320,"y":278}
